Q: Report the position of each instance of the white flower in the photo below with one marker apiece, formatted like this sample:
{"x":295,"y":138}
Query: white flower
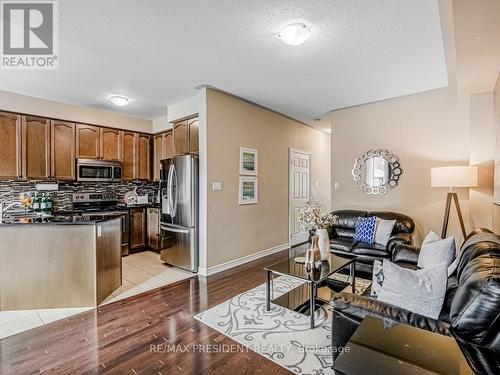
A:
{"x":311,"y":216}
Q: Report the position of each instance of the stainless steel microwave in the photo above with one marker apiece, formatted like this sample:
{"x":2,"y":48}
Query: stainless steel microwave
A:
{"x":98,"y":170}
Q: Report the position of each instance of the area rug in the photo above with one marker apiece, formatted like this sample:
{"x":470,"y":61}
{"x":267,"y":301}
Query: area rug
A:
{"x":282,"y":335}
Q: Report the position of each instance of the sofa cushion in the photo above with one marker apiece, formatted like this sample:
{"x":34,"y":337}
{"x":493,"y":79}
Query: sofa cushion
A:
{"x":475,"y":309}
{"x":359,"y":307}
{"x":421,"y":291}
{"x":404,"y":224}
{"x":342,"y":243}
{"x":365,"y":229}
{"x":343,"y":232}
{"x":347,"y":218}
{"x":374,"y":250}
{"x":383,"y":231}
{"x":435,"y":250}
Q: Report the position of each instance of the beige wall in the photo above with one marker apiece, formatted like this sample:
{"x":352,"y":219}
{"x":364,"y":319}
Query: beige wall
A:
{"x":482,"y":148}
{"x":235,"y":231}
{"x":48,"y":108}
{"x":424,"y":130}
{"x":496,"y":98}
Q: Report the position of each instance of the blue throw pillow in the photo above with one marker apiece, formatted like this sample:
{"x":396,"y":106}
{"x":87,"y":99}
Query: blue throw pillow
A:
{"x":365,"y":229}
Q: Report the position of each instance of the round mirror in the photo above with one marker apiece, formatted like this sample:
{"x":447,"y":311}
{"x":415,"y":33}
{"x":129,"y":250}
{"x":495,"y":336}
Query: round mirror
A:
{"x":377,"y":171}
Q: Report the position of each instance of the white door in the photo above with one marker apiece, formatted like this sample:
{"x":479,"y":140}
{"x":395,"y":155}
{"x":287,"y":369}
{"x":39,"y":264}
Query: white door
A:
{"x":299,"y":193}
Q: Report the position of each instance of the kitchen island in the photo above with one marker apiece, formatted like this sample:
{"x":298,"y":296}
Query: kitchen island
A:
{"x":59,"y":262}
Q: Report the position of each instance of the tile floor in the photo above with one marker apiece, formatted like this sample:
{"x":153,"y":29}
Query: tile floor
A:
{"x":141,"y":272}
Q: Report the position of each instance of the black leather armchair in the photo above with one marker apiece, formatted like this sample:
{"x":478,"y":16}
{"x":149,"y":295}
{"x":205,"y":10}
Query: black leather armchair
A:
{"x":341,"y":238}
{"x":470,"y":313}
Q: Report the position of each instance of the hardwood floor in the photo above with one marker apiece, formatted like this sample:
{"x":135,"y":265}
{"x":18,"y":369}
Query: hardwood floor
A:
{"x":132,"y":336}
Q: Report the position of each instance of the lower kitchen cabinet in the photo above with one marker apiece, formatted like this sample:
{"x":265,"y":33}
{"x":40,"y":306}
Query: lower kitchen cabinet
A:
{"x":153,"y":232}
{"x":137,"y":228}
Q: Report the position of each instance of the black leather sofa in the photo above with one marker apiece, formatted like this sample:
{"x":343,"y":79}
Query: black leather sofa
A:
{"x":341,"y":238}
{"x":470,"y":313}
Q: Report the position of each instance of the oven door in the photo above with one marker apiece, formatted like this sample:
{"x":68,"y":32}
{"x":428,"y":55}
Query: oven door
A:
{"x":94,"y":172}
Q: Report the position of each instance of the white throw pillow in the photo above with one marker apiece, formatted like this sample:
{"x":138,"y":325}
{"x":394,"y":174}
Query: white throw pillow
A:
{"x":435,"y":250}
{"x":383,"y":231}
{"x":377,"y":278}
{"x":420,"y":291}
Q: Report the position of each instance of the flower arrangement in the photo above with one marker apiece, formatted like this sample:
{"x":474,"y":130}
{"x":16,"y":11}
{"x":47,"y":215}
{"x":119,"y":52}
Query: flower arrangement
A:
{"x":311,"y":216}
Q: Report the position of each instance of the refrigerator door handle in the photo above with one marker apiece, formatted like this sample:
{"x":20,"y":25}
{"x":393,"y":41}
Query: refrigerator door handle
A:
{"x":175,"y":190}
{"x":175,"y":230}
{"x":170,"y":190}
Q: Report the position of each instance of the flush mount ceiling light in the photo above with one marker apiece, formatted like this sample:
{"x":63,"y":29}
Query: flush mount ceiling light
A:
{"x":119,"y":100}
{"x":294,"y":34}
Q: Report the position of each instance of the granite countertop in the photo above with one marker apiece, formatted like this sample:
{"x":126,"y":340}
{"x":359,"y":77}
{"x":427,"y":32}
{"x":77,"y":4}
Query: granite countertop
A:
{"x":146,"y":205}
{"x":59,"y":219}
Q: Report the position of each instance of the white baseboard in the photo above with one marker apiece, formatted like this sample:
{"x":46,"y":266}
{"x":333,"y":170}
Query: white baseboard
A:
{"x":238,"y":262}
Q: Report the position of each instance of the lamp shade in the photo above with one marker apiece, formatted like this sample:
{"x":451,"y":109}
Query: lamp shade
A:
{"x":450,"y":177}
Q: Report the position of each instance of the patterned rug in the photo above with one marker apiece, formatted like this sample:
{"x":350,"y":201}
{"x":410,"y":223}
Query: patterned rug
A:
{"x":282,"y":335}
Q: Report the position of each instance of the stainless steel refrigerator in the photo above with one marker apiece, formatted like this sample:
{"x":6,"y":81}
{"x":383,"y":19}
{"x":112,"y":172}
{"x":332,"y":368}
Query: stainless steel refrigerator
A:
{"x":179,"y":212}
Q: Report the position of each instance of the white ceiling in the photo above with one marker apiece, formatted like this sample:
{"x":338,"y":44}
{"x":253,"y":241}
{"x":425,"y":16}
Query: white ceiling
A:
{"x":156,"y":52}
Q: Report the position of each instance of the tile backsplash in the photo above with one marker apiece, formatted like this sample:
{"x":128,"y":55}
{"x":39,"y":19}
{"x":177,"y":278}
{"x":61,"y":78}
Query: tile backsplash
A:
{"x":10,"y":190}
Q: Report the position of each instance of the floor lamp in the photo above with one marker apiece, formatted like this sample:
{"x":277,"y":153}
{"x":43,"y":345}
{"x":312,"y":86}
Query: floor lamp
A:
{"x":453,"y":177}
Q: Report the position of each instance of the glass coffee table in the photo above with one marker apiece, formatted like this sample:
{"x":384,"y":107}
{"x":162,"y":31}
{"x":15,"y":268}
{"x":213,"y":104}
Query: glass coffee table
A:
{"x":306,"y":297}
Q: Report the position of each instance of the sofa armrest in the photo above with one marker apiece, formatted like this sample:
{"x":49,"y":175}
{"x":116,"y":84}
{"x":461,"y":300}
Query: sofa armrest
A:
{"x":404,"y":254}
{"x":356,"y":307}
{"x":399,"y":238}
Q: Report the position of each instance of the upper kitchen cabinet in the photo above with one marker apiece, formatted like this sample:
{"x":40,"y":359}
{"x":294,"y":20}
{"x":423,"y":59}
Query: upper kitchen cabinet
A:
{"x":163,"y":148}
{"x":181,"y":137}
{"x":35,"y":147}
{"x":185,"y":136}
{"x":144,"y":157}
{"x":129,"y":155}
{"x":88,"y":141}
{"x":158,"y":154}
{"x":10,"y":146}
{"x":193,"y":128}
{"x":62,"y":150}
{"x":168,"y":144}
{"x":111,"y":144}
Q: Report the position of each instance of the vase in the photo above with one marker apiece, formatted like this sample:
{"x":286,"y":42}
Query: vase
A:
{"x":324,"y":243}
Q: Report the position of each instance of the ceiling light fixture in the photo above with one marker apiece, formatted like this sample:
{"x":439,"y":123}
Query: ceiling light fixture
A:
{"x":119,"y":100}
{"x":294,"y":34}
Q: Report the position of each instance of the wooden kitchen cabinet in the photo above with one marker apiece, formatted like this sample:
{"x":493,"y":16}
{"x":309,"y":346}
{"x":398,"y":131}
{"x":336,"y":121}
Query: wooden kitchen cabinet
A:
{"x":163,"y":148}
{"x":137,"y":228}
{"x":62,"y":150}
{"x":193,"y":130}
{"x":158,"y":155}
{"x":144,"y":157}
{"x":35,"y":146}
{"x":181,"y":138}
{"x":168,"y":144}
{"x":88,"y":141}
{"x":129,"y":154}
{"x":111,"y":144}
{"x":10,"y":146}
{"x":153,"y":228}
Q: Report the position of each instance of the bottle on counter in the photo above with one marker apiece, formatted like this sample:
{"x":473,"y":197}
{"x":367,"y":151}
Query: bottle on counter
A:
{"x":49,"y":204}
{"x":43,"y":204}
{"x":36,"y":202}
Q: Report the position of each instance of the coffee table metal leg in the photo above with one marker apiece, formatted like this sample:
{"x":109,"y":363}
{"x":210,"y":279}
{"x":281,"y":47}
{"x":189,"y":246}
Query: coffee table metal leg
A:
{"x":352,"y":271}
{"x":268,"y":291}
{"x":312,"y":304}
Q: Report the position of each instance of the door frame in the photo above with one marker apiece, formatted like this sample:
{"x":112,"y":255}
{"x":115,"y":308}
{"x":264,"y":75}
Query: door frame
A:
{"x":298,"y":151}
